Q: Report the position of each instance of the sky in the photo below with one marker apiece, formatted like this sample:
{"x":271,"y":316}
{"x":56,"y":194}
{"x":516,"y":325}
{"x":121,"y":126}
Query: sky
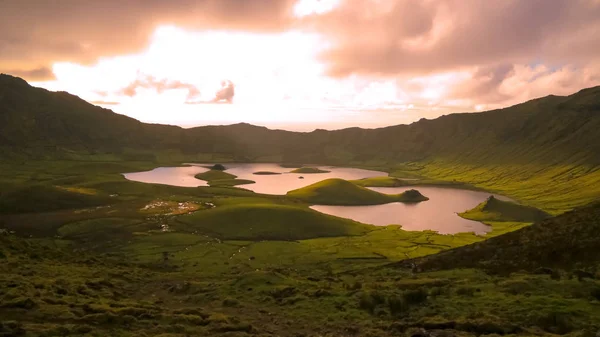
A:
{"x":302,"y":64}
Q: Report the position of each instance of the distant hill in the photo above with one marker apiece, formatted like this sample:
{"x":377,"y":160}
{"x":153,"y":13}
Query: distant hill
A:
{"x":569,"y":241}
{"x":550,"y":129}
{"x":545,"y":152}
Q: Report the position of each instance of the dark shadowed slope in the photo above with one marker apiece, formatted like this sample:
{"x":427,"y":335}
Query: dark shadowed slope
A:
{"x":550,"y":130}
{"x":568,"y":241}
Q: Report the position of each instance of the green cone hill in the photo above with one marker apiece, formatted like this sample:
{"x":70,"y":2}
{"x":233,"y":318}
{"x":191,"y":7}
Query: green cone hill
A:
{"x":342,"y":192}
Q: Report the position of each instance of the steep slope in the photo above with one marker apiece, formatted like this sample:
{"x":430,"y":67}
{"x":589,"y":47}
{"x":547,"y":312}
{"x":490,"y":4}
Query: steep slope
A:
{"x":548,"y":130}
{"x":568,"y":241}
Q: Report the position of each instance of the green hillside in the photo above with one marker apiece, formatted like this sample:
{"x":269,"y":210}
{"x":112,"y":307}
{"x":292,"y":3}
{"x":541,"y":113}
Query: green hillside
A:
{"x":568,"y":241}
{"x":343,"y":192}
{"x":268,"y":222}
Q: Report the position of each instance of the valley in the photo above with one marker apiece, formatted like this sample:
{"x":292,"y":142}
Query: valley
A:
{"x":109,"y":226}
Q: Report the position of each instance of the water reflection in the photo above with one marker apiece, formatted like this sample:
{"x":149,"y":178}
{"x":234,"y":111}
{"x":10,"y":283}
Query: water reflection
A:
{"x":439,"y":213}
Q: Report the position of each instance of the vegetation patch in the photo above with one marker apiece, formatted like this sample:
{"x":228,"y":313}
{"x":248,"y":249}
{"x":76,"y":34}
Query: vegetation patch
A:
{"x":229,"y":182}
{"x":266,"y":173}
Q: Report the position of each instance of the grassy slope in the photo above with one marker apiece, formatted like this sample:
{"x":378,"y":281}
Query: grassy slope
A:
{"x":19,"y":198}
{"x":268,"y":222}
{"x":54,"y":287}
{"x":567,"y":241}
{"x":229,"y":182}
{"x":342,"y":192}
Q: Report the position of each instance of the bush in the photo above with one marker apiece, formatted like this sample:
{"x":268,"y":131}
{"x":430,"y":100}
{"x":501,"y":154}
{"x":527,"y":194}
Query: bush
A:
{"x":241,"y":327}
{"x":218,"y":167}
{"x":230,"y":302}
{"x":595,"y":293}
{"x":397,"y":305}
{"x":11,"y":328}
{"x":555,"y":322}
{"x":21,"y":302}
{"x":415,"y":296}
{"x":367,"y":302}
{"x":465,"y":291}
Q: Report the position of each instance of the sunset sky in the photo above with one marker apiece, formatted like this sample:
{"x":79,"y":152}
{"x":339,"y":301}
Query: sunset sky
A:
{"x":304,"y":64}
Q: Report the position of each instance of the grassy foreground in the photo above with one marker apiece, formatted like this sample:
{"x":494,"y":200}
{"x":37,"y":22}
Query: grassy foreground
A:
{"x":158,"y":260}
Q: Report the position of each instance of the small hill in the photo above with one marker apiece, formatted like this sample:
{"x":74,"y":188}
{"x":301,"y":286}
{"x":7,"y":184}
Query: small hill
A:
{"x":230,"y":182}
{"x":214,"y":175}
{"x":567,"y":241}
{"x":266,"y":173}
{"x":217,"y":167}
{"x":494,"y":209}
{"x":342,"y":192}
{"x":268,"y":222}
{"x":309,"y":170}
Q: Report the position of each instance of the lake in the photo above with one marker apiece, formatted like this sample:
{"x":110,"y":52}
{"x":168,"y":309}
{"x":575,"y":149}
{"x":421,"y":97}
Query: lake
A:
{"x":438,"y":213}
{"x":268,"y":184}
{"x":174,"y":176}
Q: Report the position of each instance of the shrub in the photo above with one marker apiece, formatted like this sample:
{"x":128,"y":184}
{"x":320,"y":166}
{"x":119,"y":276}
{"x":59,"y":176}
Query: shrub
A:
{"x":11,"y":328}
{"x":20,"y":302}
{"x":230,"y":302}
{"x":370,"y":300}
{"x":397,"y":305}
{"x":595,"y":293}
{"x":241,"y":327}
{"x":282,"y":292}
{"x":417,"y":296}
{"x":555,"y":322}
{"x":218,"y":167}
{"x":465,"y":291}
{"x":367,"y":303}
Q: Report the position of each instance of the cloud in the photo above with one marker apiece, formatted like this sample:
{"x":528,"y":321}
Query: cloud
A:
{"x":104,"y":103}
{"x":36,"y":74}
{"x":226,"y":92}
{"x":160,"y":86}
{"x":41,"y":32}
{"x":407,"y":37}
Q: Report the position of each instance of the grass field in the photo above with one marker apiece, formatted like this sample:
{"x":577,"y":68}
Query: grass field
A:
{"x":159,"y":260}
